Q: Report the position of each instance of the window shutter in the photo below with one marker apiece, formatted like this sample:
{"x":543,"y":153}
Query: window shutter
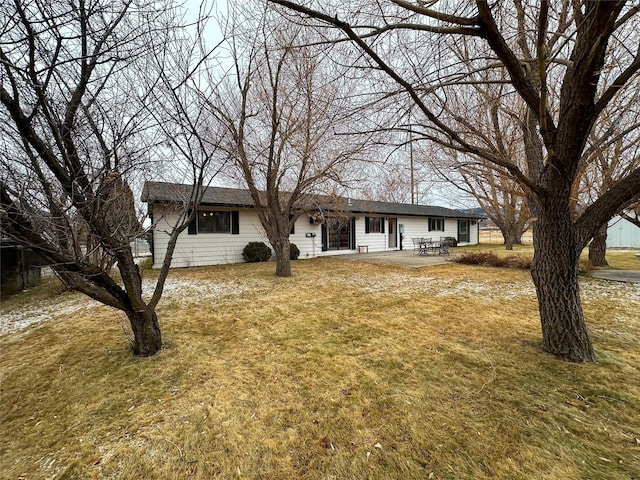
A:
{"x":235,"y":222}
{"x":323,"y":235}
{"x":366,"y":224}
{"x":353,"y":234}
{"x":382,"y":225}
{"x":293,"y":226}
{"x":192,"y":229}
{"x":429,"y":223}
{"x":443,"y":224}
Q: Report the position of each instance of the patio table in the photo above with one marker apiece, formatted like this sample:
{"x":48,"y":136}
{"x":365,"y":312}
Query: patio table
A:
{"x":427,"y":246}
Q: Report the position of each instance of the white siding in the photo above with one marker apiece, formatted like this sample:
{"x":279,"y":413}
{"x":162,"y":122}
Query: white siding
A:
{"x":622,"y":233}
{"x":416,"y":227}
{"x":220,"y":248}
{"x":309,"y":246}
{"x":377,"y":242}
{"x":204,"y":248}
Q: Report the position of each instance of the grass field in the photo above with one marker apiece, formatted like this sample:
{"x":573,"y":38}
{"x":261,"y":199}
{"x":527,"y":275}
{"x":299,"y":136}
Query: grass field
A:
{"x":347,"y":370}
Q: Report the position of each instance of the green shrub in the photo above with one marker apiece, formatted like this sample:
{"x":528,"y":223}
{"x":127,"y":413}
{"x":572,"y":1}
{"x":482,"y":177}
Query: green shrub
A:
{"x":294,"y":252}
{"x":256,"y":252}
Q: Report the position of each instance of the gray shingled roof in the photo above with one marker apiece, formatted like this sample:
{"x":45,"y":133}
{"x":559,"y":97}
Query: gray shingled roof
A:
{"x":160,"y":192}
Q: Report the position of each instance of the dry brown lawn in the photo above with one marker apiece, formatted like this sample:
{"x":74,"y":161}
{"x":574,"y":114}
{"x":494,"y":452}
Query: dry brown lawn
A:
{"x":347,"y":370}
{"x":494,"y":236}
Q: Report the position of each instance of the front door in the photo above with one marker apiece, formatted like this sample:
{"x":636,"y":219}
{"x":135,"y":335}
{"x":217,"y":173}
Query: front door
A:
{"x":339,"y":233}
{"x":393,"y":235}
{"x":463,"y":231}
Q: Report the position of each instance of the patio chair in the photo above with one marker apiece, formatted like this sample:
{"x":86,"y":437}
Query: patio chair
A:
{"x":426,"y":245}
{"x":445,"y":244}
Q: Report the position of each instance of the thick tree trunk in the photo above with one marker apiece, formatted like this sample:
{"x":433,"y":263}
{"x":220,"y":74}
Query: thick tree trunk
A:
{"x":147,"y":338}
{"x":511,"y":238}
{"x":512,"y":235}
{"x":281,"y":248}
{"x":555,"y":275}
{"x":598,"y":248}
{"x":508,"y":243}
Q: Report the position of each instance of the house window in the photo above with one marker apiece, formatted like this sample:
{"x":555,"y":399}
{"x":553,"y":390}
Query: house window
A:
{"x":214,"y":222}
{"x":374,"y":225}
{"x":436,"y":224}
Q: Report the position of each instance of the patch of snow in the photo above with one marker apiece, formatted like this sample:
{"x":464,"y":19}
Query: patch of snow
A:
{"x":176,"y":289}
{"x":21,"y":317}
{"x":399,"y":284}
{"x":189,"y":291}
{"x":195,"y":291}
{"x":615,"y":292}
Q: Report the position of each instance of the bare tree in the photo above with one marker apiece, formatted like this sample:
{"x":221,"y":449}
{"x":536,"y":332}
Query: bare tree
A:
{"x":632,"y":214}
{"x":612,"y":146}
{"x":286,"y":115}
{"x":552,"y":55}
{"x":498,"y":194}
{"x":495,"y":127}
{"x":83,"y":82}
{"x":389,"y":182}
{"x":611,"y":153}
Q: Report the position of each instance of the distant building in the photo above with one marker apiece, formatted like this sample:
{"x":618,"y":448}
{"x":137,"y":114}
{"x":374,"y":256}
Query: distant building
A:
{"x":622,"y":233}
{"x":19,"y":267}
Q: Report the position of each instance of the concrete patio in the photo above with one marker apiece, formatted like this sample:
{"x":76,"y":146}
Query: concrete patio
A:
{"x":409,"y":258}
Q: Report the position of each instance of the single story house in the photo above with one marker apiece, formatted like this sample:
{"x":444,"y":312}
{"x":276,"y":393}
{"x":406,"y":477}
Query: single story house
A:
{"x":621,"y":233}
{"x":227,"y":221}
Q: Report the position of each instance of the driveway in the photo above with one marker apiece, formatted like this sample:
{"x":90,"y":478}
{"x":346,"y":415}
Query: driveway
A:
{"x":630,"y":276}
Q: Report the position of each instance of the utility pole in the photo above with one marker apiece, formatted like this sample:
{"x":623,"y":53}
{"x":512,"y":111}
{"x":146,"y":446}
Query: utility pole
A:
{"x":413,"y":199}
{"x":412,"y":180}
